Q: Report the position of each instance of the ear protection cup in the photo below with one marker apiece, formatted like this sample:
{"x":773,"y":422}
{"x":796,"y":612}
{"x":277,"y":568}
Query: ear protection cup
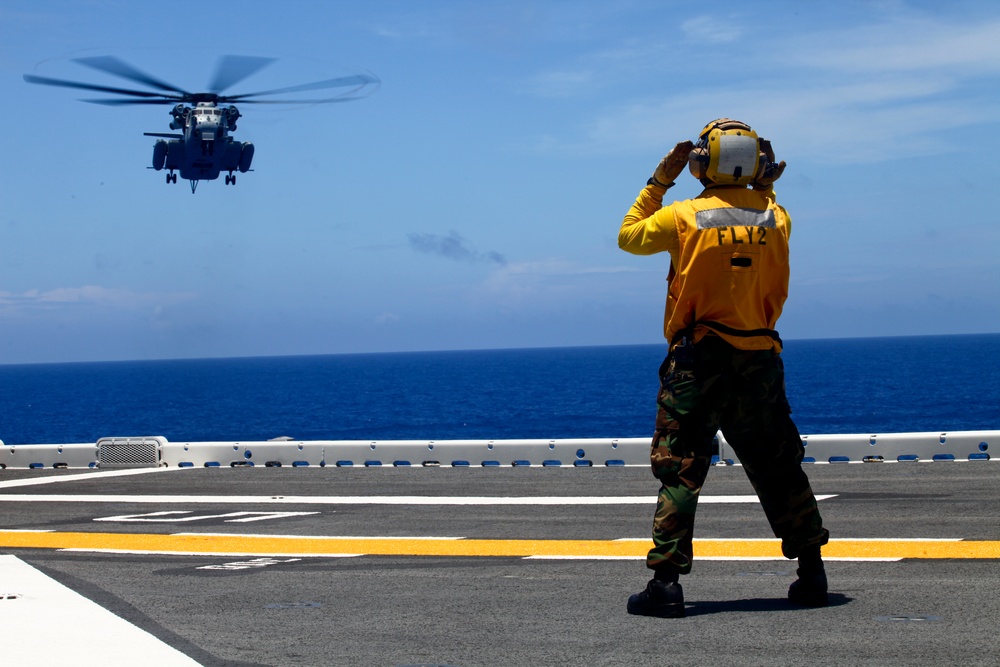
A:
{"x":761,"y":164}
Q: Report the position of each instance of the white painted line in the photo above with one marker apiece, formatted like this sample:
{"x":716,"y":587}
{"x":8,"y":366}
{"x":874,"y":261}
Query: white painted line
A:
{"x":370,"y":500}
{"x":31,"y":638}
{"x":171,"y":517}
{"x":873,"y":559}
{"x":251,"y":564}
{"x":719,"y":558}
{"x":902,"y":539}
{"x":642,"y":558}
{"x":764,"y":539}
{"x":785,"y":560}
{"x":201,"y":554}
{"x":316,"y":537}
{"x":81,"y":477}
{"x":237,"y":554}
{"x":28,"y":530}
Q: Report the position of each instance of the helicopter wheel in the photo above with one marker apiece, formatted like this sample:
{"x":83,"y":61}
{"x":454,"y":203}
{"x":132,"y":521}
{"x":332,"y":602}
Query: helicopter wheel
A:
{"x":171,"y":178}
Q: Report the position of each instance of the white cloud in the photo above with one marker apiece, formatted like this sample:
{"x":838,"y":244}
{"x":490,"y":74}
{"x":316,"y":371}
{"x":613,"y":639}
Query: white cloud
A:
{"x":903,"y":45}
{"x":89,"y":295}
{"x":711,"y":29}
{"x":893,"y":89}
{"x":850,"y":122}
{"x":550,"y":279}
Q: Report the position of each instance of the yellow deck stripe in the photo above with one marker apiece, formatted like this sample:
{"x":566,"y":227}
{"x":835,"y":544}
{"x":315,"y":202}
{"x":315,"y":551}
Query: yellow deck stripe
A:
{"x":384,"y":546}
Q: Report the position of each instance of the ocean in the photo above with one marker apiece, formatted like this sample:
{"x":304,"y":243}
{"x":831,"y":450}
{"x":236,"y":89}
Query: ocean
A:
{"x":862,"y":385}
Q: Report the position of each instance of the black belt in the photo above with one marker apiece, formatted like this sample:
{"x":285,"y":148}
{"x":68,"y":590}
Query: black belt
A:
{"x":722,"y":328}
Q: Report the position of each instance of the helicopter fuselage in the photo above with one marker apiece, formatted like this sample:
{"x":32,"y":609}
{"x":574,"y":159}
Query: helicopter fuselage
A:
{"x":200,"y":147}
{"x":204,"y":149}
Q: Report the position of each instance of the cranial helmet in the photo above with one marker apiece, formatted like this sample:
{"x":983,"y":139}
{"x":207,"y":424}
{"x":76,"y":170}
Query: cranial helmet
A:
{"x":727,"y":153}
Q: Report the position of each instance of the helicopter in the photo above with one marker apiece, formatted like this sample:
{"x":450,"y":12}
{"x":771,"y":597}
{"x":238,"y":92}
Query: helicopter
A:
{"x":201,"y":147}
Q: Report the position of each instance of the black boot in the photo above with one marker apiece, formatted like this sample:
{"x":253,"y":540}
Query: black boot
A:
{"x":810,"y":589}
{"x":662,"y":598}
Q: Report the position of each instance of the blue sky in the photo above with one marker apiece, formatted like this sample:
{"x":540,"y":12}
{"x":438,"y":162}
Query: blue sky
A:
{"x":473,"y":201}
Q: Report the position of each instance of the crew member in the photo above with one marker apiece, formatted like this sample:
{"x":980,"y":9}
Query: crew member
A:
{"x":727,"y":283}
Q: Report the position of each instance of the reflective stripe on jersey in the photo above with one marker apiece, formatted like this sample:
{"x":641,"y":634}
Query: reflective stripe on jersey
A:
{"x":732,"y":268}
{"x":714,"y":218}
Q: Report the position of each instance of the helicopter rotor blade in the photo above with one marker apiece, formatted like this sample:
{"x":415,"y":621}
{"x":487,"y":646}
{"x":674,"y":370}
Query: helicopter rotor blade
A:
{"x":328,"y":100}
{"x":357,"y":80}
{"x":112,"y":65}
{"x":233,"y":69}
{"x":230,"y":70}
{"x":89,"y":86}
{"x":128,"y":102}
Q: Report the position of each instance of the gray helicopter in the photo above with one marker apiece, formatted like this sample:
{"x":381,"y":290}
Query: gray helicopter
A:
{"x":201,"y":148}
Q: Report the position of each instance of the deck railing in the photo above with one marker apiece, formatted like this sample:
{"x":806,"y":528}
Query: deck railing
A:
{"x":155,"y":451}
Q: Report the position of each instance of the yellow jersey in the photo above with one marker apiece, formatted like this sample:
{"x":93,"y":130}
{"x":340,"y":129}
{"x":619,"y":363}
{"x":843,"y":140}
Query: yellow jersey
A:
{"x":729,"y":261}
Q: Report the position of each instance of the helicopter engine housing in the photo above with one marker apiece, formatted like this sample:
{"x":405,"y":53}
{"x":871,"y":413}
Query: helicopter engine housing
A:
{"x":159,"y":154}
{"x":246,"y":157}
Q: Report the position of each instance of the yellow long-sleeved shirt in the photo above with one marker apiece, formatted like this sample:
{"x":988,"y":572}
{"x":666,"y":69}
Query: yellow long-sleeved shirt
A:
{"x":649,"y":228}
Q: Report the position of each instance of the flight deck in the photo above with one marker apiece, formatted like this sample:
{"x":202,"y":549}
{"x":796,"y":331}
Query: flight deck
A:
{"x":483,"y":566}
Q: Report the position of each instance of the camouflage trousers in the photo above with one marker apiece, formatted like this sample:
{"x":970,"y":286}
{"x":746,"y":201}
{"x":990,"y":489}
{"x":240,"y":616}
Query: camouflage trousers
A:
{"x":710,"y":386}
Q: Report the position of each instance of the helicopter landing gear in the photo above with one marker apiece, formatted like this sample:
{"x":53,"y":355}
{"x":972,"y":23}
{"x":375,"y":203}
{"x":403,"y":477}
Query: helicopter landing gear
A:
{"x":230,"y":179}
{"x":171,"y":177}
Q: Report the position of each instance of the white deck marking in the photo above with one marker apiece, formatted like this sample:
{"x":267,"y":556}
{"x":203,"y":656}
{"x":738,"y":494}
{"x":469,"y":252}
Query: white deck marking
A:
{"x":212,"y":554}
{"x":172,"y":517}
{"x":319,"y":537}
{"x":81,"y":477}
{"x":45,"y":623}
{"x":251,"y":564}
{"x":369,"y":500}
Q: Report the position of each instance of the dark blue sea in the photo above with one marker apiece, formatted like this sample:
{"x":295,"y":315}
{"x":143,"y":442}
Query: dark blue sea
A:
{"x":865,"y":385}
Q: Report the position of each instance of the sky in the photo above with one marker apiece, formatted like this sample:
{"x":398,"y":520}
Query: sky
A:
{"x":473,"y":200}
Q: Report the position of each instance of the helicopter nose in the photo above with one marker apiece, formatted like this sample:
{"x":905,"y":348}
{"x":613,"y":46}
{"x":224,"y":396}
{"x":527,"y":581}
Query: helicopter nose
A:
{"x":208,"y":131}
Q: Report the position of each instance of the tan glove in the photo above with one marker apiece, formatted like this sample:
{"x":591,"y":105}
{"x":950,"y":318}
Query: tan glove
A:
{"x":672,"y":165}
{"x":770,"y":171}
